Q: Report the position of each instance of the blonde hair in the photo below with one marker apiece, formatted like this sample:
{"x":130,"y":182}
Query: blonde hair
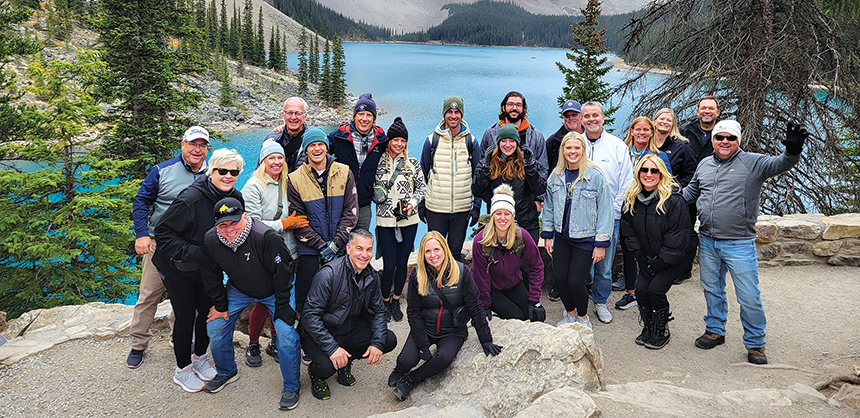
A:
{"x":222,"y":156}
{"x":652,"y":141}
{"x":674,"y":131}
{"x":491,"y":237}
{"x":449,"y":266}
{"x":583,"y":160}
{"x":663,"y":189}
{"x":261,"y":176}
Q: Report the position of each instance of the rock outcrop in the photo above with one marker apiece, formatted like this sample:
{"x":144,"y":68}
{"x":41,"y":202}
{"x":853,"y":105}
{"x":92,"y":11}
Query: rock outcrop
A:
{"x":804,"y":239}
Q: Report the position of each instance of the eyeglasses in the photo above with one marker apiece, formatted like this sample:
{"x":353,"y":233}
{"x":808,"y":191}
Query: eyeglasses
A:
{"x":291,"y":114}
{"x":198,"y":145}
{"x":571,"y":115}
{"x":721,"y":138}
{"x":514,"y":105}
{"x":645,"y":170}
{"x":223,"y":171}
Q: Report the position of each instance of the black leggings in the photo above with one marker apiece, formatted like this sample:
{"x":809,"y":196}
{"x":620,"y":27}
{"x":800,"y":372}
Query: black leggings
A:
{"x":571,"y":267}
{"x":629,"y":266}
{"x":452,"y":226}
{"x":306,"y":268}
{"x":188,"y":299}
{"x":395,"y":256}
{"x":446,"y":350}
{"x":651,"y":291}
{"x":355,"y":343}
{"x":512,"y":303}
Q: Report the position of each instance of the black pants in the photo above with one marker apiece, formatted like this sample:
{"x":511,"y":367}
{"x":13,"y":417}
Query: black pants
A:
{"x":651,"y":291}
{"x":446,"y":350}
{"x":571,"y":267}
{"x":452,"y":226}
{"x":395,"y":256}
{"x":512,"y":303}
{"x":629,"y":266}
{"x":306,"y":267}
{"x":355,"y":343}
{"x":190,"y":307}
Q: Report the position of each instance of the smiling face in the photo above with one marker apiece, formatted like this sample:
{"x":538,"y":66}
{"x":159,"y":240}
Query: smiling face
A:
{"x":708,"y":111}
{"x":360,"y":252}
{"x":274,"y":165}
{"x":434,"y":255}
{"x":194,"y":152}
{"x":664,"y":123}
{"x":592,"y":120}
{"x":641,"y":135}
{"x":452,"y":119}
{"x":513,"y":109}
{"x":572,"y":153}
{"x":396,"y":146}
{"x":507,"y":146}
{"x":502,"y":219}
{"x":724,"y":148}
{"x":648,"y":179}
{"x":316,"y":154}
{"x":572,"y":120}
{"x":224,"y":182}
{"x":230,"y":230}
{"x":363,"y":121}
{"x":295,"y":115}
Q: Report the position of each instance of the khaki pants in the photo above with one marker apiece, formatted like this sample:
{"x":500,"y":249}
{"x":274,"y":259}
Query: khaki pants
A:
{"x":149,"y":295}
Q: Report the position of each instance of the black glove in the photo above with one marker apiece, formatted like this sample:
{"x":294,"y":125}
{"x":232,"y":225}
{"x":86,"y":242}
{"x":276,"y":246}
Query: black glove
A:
{"x":286,"y":314}
{"x":655,"y":264}
{"x":474,"y":215}
{"x":491,"y":349}
{"x":328,"y":252}
{"x":424,"y":353}
{"x":795,"y":136}
{"x":422,"y":211}
{"x":489,"y":313}
{"x":644,"y":267}
{"x":528,"y":157}
{"x":537,"y":313}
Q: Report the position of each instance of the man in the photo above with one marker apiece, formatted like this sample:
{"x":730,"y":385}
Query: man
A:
{"x":289,"y":135}
{"x":324,"y":191}
{"x":727,"y":189}
{"x":163,"y":183}
{"x":259,"y":269}
{"x":344,"y":317}
{"x":359,"y":144}
{"x":571,"y":116}
{"x":698,"y":131}
{"x":611,"y":155}
{"x":449,"y":157}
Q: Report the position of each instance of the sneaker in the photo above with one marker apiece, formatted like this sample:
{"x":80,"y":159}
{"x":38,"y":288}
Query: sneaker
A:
{"x":289,"y":400}
{"x":619,"y":285}
{"x":272,"y":350}
{"x":404,"y":386}
{"x":709,"y":340}
{"x":394,"y":377}
{"x":202,"y":368}
{"x":756,"y":355}
{"x":566,"y":318}
{"x":603,"y":314}
{"x":553,"y":295}
{"x":188,"y":380}
{"x":218,"y":382}
{"x":306,"y":359}
{"x":252,"y":355}
{"x":319,"y":387}
{"x":626,"y":302}
{"x":584,"y":321}
{"x":135,"y":358}
{"x":344,"y":375}
{"x":396,"y":313}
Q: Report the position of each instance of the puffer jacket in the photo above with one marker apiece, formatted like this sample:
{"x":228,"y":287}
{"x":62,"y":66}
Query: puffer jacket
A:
{"x":681,"y":158}
{"x":341,"y":146}
{"x":668,"y":236}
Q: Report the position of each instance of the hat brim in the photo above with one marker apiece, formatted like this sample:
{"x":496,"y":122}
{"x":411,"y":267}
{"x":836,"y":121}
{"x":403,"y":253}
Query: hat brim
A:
{"x":235,"y":217}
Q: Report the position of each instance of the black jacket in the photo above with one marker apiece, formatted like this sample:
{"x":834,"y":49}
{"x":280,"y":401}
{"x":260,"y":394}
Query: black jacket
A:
{"x":428,"y":318}
{"x":668,"y":236}
{"x":292,"y":144}
{"x":330,"y":299}
{"x":526,"y":191}
{"x":553,"y":143}
{"x":180,"y":234}
{"x":342,"y":148}
{"x":681,"y":158}
{"x":693,"y":132}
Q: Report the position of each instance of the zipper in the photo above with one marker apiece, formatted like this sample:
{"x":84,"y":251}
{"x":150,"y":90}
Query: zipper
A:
{"x":439,"y":318}
{"x":453,"y":172}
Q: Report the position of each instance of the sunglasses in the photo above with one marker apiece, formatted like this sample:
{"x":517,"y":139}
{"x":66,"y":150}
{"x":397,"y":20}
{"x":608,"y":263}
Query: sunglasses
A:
{"x":224,"y":171}
{"x":721,"y":138}
{"x":645,"y":170}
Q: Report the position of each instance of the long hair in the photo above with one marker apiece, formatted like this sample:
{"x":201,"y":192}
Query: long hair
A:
{"x":449,"y":266}
{"x":261,"y":176}
{"x":491,"y":237}
{"x":674,"y":131}
{"x":583,"y":160}
{"x":507,"y":168}
{"x":652,"y":143}
{"x":664,"y":186}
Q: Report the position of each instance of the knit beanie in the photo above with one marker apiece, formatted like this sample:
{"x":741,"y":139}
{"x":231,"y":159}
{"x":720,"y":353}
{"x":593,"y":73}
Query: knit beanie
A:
{"x":503,"y":198}
{"x":365,"y":103}
{"x":729,"y":126}
{"x":269,"y":147}
{"x":398,"y":130}
{"x":453,"y":102}
{"x":509,"y":131}
{"x":315,"y":134}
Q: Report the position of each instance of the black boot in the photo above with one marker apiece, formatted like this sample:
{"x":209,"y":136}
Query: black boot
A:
{"x":396,"y":313}
{"x":646,"y":316}
{"x":404,"y":386}
{"x":660,"y":336}
{"x":387,"y":310}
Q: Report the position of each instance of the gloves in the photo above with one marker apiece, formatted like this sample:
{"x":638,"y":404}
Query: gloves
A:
{"x":528,"y":157}
{"x":474,"y":215}
{"x":422,"y":212}
{"x":491,"y":349}
{"x":328,"y":252}
{"x":489,"y":313}
{"x":795,"y":136}
{"x":644,"y":267}
{"x":537,"y":313}
{"x":294,"y":222}
{"x":286,"y":314}
{"x":655,"y":264}
{"x":424,"y":353}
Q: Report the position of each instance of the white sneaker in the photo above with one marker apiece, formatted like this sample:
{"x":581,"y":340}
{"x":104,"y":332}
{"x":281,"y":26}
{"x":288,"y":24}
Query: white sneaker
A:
{"x":202,"y":368}
{"x":603,"y":313}
{"x":188,"y":380}
{"x":584,"y":321}
{"x":566,"y":318}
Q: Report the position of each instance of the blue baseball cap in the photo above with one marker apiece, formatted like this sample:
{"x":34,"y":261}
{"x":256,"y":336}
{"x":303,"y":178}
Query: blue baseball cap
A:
{"x":571,"y":105}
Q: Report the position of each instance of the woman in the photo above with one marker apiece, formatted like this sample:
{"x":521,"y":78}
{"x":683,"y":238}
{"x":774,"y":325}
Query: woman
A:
{"x":441,"y":298}
{"x":655,"y":224}
{"x":498,"y":251}
{"x":667,"y":138}
{"x":398,"y":188}
{"x":265,"y":196}
{"x":578,"y":218}
{"x":178,"y":240}
{"x":513,"y":165}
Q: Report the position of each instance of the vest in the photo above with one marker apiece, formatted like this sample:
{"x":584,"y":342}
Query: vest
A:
{"x":449,"y":188}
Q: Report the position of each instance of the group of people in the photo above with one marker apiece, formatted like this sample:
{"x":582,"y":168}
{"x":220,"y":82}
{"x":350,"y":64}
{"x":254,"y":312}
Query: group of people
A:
{"x":295,"y":242}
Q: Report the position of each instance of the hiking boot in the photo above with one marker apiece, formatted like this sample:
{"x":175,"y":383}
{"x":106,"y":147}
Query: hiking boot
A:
{"x":603,"y":314}
{"x":709,"y":340}
{"x":135,"y":358}
{"x":319,"y":387}
{"x":344,"y":375}
{"x":252,"y":355}
{"x":554,"y":295}
{"x":218,"y":382}
{"x":289,"y":400}
{"x":396,"y":313}
{"x":683,"y":278}
{"x":394,"y":377}
{"x":387,"y":310}
{"x":756,"y":355}
{"x":660,"y":335}
{"x":404,"y":386}
{"x":619,"y":283}
{"x":188,"y":380}
{"x":626,"y":302}
{"x":646,"y":316}
{"x":202,"y":368}
{"x":272,"y":350}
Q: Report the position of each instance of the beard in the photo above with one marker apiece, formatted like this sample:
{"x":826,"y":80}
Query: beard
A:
{"x":513,"y":119}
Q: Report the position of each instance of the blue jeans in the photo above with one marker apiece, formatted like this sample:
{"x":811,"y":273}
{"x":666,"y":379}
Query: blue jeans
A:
{"x":738,"y":257}
{"x":602,"y":271}
{"x":221,"y":338}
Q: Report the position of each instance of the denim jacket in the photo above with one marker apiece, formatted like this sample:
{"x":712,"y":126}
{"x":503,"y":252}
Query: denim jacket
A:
{"x":591,"y":209}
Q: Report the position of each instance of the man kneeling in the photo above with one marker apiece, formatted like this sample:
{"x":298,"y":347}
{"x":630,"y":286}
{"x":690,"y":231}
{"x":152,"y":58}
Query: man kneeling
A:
{"x":259,"y":269}
{"x":344,"y":317}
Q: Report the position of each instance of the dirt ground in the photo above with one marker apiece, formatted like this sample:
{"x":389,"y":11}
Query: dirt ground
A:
{"x":813,"y":329}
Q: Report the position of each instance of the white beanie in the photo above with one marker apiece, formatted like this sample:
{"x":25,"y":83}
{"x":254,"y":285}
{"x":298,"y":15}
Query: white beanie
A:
{"x":269,"y":147}
{"x":503,"y":198}
{"x":729,"y":126}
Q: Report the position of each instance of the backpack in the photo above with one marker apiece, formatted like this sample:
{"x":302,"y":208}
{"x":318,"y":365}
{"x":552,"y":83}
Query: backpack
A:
{"x":434,"y":143}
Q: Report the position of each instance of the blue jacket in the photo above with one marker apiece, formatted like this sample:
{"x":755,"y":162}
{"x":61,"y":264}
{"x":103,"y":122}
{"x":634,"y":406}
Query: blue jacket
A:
{"x":591,"y":209}
{"x":341,"y":146}
{"x":163,"y":183}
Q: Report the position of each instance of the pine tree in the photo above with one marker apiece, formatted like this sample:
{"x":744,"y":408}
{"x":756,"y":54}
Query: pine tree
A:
{"x":314,"y":60}
{"x":234,"y":34}
{"x":284,"y":51}
{"x":213,"y":31}
{"x":272,"y":62}
{"x":584,"y":81}
{"x":16,"y":119}
{"x":260,"y":42}
{"x":248,"y":32}
{"x":226,"y":92}
{"x":303,"y":62}
{"x":223,"y":28}
{"x":324,"y":92}
{"x":338,"y":73}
